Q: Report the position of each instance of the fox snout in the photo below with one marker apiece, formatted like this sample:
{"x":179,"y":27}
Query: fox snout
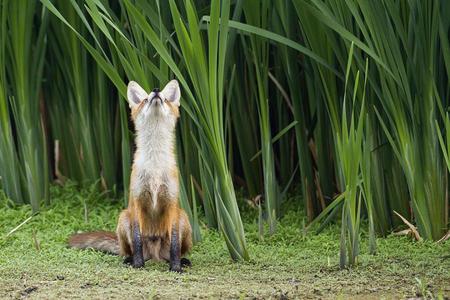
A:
{"x":157,"y":100}
{"x":155,"y":97}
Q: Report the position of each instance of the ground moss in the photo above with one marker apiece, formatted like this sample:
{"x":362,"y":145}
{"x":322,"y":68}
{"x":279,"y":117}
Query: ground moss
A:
{"x":35,"y":262}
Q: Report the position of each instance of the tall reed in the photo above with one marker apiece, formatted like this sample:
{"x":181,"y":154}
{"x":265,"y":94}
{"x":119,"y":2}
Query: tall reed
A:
{"x":369,"y":137}
{"x":26,"y":25}
{"x":10,"y":177}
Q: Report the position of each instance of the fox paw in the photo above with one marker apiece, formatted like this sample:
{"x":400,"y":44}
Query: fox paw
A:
{"x":185,"y":262}
{"x":176,"y":268}
{"x":128,"y":260}
{"x":138,"y":264}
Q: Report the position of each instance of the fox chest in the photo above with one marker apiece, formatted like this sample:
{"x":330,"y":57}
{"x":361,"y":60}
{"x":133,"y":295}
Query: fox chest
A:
{"x":152,"y":187}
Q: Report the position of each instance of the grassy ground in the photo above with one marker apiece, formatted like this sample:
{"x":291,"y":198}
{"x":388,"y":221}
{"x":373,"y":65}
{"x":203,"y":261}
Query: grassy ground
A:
{"x":36,"y":263}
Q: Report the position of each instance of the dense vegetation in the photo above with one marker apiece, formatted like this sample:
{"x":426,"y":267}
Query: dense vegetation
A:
{"x":346,"y":99}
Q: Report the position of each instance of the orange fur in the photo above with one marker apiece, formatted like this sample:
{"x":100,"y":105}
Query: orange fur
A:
{"x":100,"y":240}
{"x":155,"y":217}
{"x":158,"y":225}
{"x":158,"y":217}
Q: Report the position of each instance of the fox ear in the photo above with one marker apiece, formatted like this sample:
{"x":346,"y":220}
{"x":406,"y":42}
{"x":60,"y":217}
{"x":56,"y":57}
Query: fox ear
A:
{"x":135,"y":94}
{"x":172,"y":92}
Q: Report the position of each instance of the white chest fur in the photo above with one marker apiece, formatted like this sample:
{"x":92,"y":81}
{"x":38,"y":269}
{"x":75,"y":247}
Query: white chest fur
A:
{"x":155,"y":160}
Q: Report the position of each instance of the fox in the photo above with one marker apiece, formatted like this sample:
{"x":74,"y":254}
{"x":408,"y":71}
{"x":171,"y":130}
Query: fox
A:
{"x":153,"y":226}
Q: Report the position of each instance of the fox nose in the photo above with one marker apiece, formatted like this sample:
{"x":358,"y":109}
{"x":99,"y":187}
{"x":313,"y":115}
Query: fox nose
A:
{"x":155,"y":90}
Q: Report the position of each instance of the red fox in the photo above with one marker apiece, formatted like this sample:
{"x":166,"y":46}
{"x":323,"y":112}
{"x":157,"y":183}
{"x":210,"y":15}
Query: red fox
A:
{"x":153,"y":226}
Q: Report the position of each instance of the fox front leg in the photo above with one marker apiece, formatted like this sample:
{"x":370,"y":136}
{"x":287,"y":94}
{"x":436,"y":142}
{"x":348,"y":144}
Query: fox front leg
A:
{"x":175,"y":251}
{"x":138,"y":253}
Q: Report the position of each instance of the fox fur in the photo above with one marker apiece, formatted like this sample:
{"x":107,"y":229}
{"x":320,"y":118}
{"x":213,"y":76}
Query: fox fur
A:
{"x":153,"y":226}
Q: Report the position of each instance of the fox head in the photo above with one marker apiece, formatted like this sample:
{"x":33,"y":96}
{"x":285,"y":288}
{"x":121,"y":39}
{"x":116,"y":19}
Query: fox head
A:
{"x":160,"y":106}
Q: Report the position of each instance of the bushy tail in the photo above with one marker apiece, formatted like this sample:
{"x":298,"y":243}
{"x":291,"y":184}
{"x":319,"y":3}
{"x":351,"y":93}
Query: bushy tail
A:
{"x":99,"y":240}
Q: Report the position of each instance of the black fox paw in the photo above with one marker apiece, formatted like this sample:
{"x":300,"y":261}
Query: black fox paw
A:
{"x":185,"y":262}
{"x":137,"y":266}
{"x":176,"y":268}
{"x":139,"y":263}
{"x":128,"y":260}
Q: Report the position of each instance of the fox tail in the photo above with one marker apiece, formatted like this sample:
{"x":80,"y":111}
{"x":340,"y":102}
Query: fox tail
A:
{"x":99,"y":240}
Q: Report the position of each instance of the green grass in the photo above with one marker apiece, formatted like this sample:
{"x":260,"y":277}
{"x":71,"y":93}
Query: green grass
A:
{"x":284,"y":264}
